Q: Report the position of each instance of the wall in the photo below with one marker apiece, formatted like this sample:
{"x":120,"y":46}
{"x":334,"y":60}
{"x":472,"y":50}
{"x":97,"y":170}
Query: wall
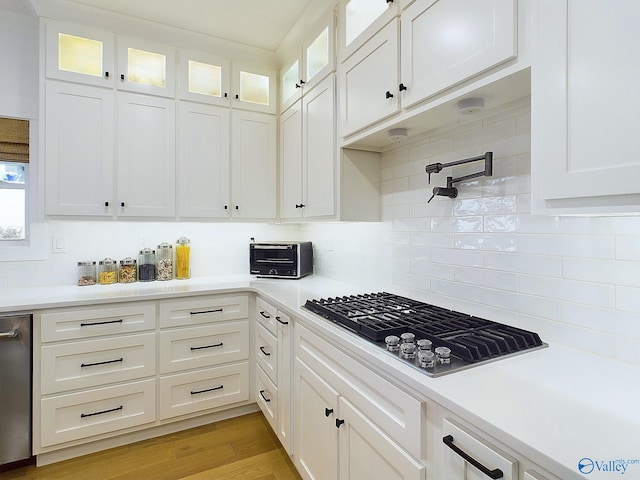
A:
{"x":574,"y":280}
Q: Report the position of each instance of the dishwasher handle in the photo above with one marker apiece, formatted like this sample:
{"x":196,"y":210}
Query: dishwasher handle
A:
{"x":10,"y":335}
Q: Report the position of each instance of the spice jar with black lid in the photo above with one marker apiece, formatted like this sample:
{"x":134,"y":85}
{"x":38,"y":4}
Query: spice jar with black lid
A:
{"x":164,"y":262}
{"x":147,"y":265}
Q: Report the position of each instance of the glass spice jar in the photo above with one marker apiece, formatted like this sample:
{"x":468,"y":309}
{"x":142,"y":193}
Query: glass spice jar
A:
{"x":147,"y":265}
{"x":128,"y":270}
{"x":183,"y":258}
{"x":86,"y":273}
{"x":164,"y":262}
{"x":107,"y":271}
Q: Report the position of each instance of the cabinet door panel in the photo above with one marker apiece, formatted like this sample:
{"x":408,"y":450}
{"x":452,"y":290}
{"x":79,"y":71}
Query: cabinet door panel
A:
{"x":146,"y":67}
{"x":79,"y":149}
{"x":267,"y":398}
{"x":291,"y":161}
{"x":442,"y":47}
{"x":366,"y":452}
{"x":146,"y":156}
{"x":360,"y":20}
{"x":203,"y":161}
{"x":285,"y":377}
{"x":267,"y":352}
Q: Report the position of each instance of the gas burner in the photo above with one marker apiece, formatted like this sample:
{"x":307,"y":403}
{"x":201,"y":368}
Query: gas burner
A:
{"x":408,"y":329}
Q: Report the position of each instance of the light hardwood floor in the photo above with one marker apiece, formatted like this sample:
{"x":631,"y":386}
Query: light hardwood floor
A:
{"x":239,"y":448}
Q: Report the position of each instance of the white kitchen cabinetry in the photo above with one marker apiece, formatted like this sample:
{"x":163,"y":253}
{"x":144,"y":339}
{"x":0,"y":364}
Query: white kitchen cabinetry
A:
{"x":253,"y":165}
{"x":204,"y":78}
{"x":146,"y":67}
{"x":274,"y":369}
{"x":253,"y":88}
{"x":79,"y":138}
{"x":441,"y":46}
{"x":350,"y":423}
{"x":584,"y":158}
{"x":308,"y":151}
{"x":203,"y":161}
{"x":146,"y":156}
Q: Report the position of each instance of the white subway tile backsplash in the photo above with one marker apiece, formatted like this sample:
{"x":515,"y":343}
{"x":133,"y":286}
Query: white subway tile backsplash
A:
{"x":627,"y":299}
{"x":605,"y":320}
{"x":521,"y":224}
{"x":494,"y":205}
{"x":487,"y":278}
{"x":519,"y":263}
{"x":452,"y":256}
{"x":486,"y":241}
{"x":604,"y":271}
{"x":628,"y":248}
{"x":431,"y":269}
{"x":589,"y":293}
{"x":443,"y":240}
{"x":457,"y":224}
{"x":568,"y":245}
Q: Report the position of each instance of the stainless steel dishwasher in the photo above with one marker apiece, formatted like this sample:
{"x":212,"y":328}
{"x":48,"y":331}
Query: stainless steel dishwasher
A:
{"x":15,"y":390}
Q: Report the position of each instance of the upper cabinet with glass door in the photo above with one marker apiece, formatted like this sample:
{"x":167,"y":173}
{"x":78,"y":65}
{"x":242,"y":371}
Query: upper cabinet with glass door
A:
{"x":315,"y":61}
{"x":146,"y":67}
{"x":78,"y":54}
{"x":253,"y":88}
{"x":204,"y":78}
{"x":360,"y":20}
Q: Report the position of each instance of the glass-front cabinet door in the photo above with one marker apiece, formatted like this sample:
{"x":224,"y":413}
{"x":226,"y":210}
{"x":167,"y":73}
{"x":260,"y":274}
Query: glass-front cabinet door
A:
{"x":146,"y":67}
{"x":360,"y":20}
{"x":290,"y":84}
{"x":253,"y":88}
{"x":204,"y":78}
{"x":79,"y":54}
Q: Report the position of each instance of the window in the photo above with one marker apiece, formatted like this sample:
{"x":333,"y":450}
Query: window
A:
{"x":14,"y":164}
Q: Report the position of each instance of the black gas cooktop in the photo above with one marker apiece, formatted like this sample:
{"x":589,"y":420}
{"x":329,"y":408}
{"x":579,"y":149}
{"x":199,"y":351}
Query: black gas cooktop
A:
{"x":456,"y":340}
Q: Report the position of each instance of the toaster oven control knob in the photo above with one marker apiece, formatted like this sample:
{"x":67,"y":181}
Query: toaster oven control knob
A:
{"x":393,"y":343}
{"x":408,"y":337}
{"x":273,"y":271}
{"x":443,"y":354}
{"x":424,"y":344}
{"x":408,"y":351}
{"x":426,"y":359}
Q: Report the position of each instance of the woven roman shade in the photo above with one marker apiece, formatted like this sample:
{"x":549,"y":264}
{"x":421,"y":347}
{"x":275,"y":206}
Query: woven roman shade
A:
{"x":14,"y":140}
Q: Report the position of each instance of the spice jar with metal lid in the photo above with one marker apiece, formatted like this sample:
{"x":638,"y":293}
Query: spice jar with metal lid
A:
{"x":147,"y":265}
{"x":107,"y":271}
{"x":164,"y":262}
{"x":183,"y":258}
{"x":128,"y":270}
{"x":87,"y":273}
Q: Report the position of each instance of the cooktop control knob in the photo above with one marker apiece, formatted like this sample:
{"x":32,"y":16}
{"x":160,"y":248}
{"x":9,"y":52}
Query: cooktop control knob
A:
{"x":426,"y":358}
{"x":393,"y":343}
{"x":424,"y":344}
{"x":443,"y":354}
{"x":408,"y":337}
{"x":408,"y":351}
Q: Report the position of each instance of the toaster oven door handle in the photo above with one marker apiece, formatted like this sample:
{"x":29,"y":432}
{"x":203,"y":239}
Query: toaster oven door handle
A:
{"x":274,"y":260}
{"x":271,"y":247}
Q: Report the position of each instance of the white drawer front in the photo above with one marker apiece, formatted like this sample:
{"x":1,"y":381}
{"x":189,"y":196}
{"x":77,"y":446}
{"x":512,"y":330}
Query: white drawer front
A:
{"x":196,"y":347}
{"x":69,"y":324}
{"x":80,"y":415}
{"x":267,"y":398}
{"x":266,"y":315}
{"x":267,"y":352}
{"x":177,"y":313}
{"x":203,"y":390}
{"x":92,"y":363}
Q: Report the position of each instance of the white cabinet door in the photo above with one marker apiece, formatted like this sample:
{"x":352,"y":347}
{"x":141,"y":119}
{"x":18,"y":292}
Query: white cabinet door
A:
{"x":319,"y":150}
{"x":316,"y":435}
{"x":203,"y":161}
{"x":79,"y":139}
{"x":291,"y":162}
{"x":318,"y":55}
{"x":204,"y":78}
{"x":369,"y":82}
{"x":445,"y":42}
{"x":253,"y":165}
{"x":464,"y":456}
{"x":360,"y":20}
{"x":290,"y":84}
{"x":285,"y":377}
{"x":584,"y":158}
{"x":146,"y":156}
{"x":146,"y":67}
{"x":366,"y":452}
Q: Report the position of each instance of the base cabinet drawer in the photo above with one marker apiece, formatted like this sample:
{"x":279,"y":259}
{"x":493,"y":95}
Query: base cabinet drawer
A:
{"x":92,"y":363}
{"x":180,"y":313}
{"x":94,"y":412}
{"x":267,"y":352}
{"x":267,"y":398}
{"x":205,"y":389}
{"x":203,"y":346}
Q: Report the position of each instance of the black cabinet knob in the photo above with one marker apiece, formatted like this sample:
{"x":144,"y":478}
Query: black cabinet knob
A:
{"x":122,"y":204}
{"x":237,"y":207}
{"x":122,"y":77}
{"x":226,"y":94}
{"x":389,"y":1}
{"x":106,"y":204}
{"x":237,"y":97}
{"x":388,"y":94}
{"x":226,"y":207}
{"x":402,"y":87}
{"x":328,"y":411}
{"x":339,"y":422}
{"x":106,"y":74}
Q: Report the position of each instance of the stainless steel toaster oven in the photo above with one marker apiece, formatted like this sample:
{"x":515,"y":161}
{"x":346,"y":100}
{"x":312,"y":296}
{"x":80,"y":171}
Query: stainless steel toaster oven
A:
{"x":281,"y":259}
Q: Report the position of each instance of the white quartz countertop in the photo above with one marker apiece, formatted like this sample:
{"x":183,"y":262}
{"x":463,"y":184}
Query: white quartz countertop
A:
{"x":555,"y":405}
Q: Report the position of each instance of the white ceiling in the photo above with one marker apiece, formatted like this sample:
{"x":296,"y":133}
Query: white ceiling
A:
{"x":258,"y":23}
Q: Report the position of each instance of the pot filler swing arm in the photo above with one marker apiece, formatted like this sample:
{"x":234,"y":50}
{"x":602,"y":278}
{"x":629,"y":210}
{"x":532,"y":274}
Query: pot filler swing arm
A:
{"x":451,"y":191}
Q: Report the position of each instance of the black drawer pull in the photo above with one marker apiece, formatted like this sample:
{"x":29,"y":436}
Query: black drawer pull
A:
{"x":266,"y":354}
{"x":328,"y":411}
{"x":263,"y":397}
{"x":495,"y":474}
{"x":207,"y":346}
{"x":118,"y":360}
{"x":85,"y":415}
{"x":264,"y":314}
{"x":196,"y":392}
{"x":106,"y":322}
{"x":217,"y":310}
{"x":339,"y":422}
{"x":282,"y":321}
